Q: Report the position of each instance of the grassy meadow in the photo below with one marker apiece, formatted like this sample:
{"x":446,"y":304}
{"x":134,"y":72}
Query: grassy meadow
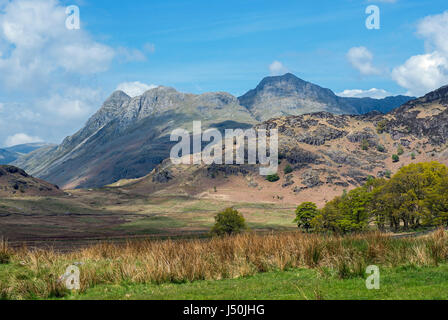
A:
{"x":288,"y":265}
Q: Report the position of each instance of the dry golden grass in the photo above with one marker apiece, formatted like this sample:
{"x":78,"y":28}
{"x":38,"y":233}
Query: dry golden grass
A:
{"x":35,"y":273}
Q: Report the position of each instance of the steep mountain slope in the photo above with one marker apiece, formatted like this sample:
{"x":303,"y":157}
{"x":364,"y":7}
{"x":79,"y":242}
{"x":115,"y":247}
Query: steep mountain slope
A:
{"x":128,"y":137}
{"x":288,"y":95}
{"x":328,"y":154}
{"x":15,"y":181}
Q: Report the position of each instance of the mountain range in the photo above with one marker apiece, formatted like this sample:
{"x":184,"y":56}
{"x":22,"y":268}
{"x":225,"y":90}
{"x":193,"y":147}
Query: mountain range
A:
{"x":10,"y":154}
{"x":321,"y":155}
{"x":128,"y":137}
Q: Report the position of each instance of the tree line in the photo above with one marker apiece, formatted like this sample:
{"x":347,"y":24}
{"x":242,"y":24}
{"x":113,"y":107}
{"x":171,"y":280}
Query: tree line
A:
{"x":416,"y":196}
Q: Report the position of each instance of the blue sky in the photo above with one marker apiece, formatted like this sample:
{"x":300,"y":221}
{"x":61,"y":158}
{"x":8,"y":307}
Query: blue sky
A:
{"x":53,"y":81}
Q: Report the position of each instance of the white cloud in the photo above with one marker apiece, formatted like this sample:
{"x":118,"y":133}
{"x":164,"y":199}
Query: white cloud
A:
{"x":434,"y":29}
{"x":422,"y":73}
{"x":429,"y":71}
{"x":75,"y":103}
{"x":21,"y":138}
{"x":40,"y":45}
{"x":371,"y":93}
{"x":277,"y":68}
{"x":134,"y":89}
{"x":53,"y":69}
{"x":361,"y":59}
{"x":130,"y":55}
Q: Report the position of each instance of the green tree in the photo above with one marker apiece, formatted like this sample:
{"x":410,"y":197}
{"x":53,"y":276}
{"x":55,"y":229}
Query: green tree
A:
{"x":305,"y":213}
{"x":395,"y":158}
{"x":229,"y":222}
{"x":414,"y":193}
{"x":354,"y":210}
{"x":436,"y":202}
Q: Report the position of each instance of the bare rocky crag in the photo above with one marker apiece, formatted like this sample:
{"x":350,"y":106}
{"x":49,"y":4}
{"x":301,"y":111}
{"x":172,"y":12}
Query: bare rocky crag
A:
{"x":328,"y":153}
{"x":128,"y":137}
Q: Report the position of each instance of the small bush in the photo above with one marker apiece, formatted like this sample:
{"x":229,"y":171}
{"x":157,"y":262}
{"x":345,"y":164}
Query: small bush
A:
{"x":365,"y":144}
{"x":400,"y":151}
{"x":273,"y":178}
{"x":380,"y":148}
{"x":381,"y":126}
{"x":288,"y":169}
{"x":5,"y":257}
{"x":229,"y":222}
{"x":395,"y":158}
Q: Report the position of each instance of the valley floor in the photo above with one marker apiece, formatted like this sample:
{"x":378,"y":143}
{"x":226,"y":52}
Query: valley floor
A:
{"x":84,"y":217}
{"x":400,"y":283}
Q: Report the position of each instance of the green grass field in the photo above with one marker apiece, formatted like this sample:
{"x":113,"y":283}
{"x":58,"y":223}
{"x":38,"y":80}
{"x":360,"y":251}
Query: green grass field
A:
{"x":247,"y":266}
{"x":401,"y":283}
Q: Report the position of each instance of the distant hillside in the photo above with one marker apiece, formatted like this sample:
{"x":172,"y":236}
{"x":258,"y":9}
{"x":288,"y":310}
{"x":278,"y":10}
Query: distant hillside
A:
{"x":27,"y":147}
{"x":128,"y":137}
{"x":324,"y":154}
{"x":10,"y":154}
{"x":15,"y":181}
{"x":7,"y":156}
{"x":288,"y":95}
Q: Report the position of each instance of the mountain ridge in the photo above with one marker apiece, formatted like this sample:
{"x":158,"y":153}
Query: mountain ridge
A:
{"x":321,"y":155}
{"x":298,"y":96}
{"x":128,"y":137}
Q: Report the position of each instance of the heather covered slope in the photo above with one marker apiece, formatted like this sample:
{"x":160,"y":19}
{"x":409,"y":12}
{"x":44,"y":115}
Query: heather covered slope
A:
{"x":325,"y":153}
{"x":16,"y":182}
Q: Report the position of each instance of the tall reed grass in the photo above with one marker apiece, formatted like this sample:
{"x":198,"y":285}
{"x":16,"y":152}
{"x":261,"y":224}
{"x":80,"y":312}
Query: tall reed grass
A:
{"x":35,"y":273}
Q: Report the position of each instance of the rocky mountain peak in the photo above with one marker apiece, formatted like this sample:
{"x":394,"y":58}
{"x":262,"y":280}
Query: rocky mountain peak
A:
{"x":439,"y":94}
{"x":117,"y":95}
{"x":284,"y":86}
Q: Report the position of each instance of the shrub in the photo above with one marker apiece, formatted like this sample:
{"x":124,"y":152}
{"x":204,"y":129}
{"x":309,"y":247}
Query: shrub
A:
{"x":365,"y":144}
{"x":381,"y":126}
{"x":229,"y":222}
{"x":304,"y":214}
{"x":380,"y":148}
{"x":288,"y":169}
{"x":4,"y":257}
{"x":273,"y":178}
{"x":400,"y":151}
{"x":413,"y":156}
{"x":395,"y":158}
